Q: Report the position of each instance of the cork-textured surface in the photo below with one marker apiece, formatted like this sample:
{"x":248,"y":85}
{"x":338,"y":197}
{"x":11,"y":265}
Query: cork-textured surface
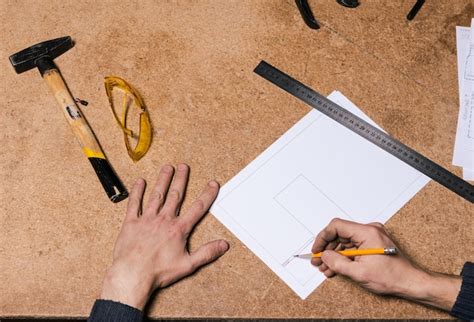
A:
{"x":192,"y":61}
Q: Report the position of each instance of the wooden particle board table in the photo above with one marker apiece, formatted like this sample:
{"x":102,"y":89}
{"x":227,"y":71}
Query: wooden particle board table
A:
{"x":192,"y":61}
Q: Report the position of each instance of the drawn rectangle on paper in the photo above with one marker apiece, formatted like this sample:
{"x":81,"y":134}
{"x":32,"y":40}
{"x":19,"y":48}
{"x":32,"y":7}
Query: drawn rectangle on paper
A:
{"x":309,"y":205}
{"x":316,"y":171}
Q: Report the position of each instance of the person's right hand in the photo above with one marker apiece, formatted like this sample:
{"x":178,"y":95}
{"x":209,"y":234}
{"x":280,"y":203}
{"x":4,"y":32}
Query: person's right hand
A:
{"x":381,"y":274}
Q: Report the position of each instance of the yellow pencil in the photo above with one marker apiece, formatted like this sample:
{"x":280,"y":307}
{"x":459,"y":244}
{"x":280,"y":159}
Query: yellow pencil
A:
{"x":356,"y":252}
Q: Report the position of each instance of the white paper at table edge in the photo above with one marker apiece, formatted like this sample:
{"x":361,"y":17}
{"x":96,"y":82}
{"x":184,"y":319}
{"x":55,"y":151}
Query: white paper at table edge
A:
{"x":460,"y":53}
{"x":267,"y":154}
{"x":462,"y":48}
{"x":460,"y":157}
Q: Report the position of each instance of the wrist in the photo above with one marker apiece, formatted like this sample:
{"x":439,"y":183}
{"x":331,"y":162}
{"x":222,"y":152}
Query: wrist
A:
{"x":126,"y":288}
{"x":438,"y":290}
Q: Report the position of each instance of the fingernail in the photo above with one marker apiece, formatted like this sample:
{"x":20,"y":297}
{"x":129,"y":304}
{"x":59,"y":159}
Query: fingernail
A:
{"x":213,"y":184}
{"x":223,"y":245}
{"x":167,"y":168}
{"x":182,"y":166}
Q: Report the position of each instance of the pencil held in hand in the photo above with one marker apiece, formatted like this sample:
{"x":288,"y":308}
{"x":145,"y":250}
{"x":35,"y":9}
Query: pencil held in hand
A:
{"x":357,"y":252}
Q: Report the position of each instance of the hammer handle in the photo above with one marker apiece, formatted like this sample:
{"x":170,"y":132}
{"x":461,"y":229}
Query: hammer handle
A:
{"x":109,"y":180}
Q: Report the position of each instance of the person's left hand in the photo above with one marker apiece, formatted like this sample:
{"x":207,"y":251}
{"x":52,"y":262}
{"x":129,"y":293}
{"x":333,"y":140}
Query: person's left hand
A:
{"x":151,"y":249}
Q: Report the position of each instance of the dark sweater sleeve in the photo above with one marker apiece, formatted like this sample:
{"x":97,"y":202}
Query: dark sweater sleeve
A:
{"x":464,"y":306}
{"x":110,"y":311}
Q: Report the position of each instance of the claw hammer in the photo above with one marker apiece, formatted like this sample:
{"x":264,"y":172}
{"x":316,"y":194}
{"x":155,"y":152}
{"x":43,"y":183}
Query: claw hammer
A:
{"x":41,"y":56}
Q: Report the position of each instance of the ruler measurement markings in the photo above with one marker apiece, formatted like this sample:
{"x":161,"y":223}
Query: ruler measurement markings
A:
{"x":366,"y":130}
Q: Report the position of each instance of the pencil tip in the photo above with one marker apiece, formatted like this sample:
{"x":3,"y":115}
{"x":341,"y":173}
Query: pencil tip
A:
{"x":296,"y":255}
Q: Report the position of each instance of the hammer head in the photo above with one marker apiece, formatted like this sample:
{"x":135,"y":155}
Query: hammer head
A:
{"x":26,"y":59}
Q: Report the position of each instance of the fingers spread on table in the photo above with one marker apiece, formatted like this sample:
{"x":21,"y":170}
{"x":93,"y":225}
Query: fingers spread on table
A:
{"x":176,"y":191}
{"x":207,"y":253}
{"x":200,"y":207}
{"x":158,"y":195}
{"x":134,"y":206}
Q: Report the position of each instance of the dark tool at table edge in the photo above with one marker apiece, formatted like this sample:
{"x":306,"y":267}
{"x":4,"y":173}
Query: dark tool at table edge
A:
{"x":366,"y":130}
{"x":307,"y":14}
{"x":414,"y":10}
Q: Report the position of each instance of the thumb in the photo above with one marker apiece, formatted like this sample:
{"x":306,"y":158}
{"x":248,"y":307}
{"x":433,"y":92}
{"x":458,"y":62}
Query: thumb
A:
{"x":337,"y":263}
{"x":208,"y":252}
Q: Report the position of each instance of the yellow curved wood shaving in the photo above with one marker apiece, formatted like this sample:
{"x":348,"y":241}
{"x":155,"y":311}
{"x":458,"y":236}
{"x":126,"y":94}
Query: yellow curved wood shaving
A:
{"x":145,"y":134}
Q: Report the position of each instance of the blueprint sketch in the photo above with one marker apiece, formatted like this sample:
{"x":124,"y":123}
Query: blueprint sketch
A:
{"x":316,"y":171}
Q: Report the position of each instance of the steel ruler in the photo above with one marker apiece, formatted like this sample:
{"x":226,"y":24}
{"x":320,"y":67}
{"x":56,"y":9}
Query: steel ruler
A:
{"x":367,"y":131}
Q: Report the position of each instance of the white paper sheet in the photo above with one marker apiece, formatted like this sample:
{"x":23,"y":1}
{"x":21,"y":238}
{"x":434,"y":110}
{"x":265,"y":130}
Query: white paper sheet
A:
{"x":464,"y":144}
{"x":316,"y":171}
{"x":468,"y":174}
